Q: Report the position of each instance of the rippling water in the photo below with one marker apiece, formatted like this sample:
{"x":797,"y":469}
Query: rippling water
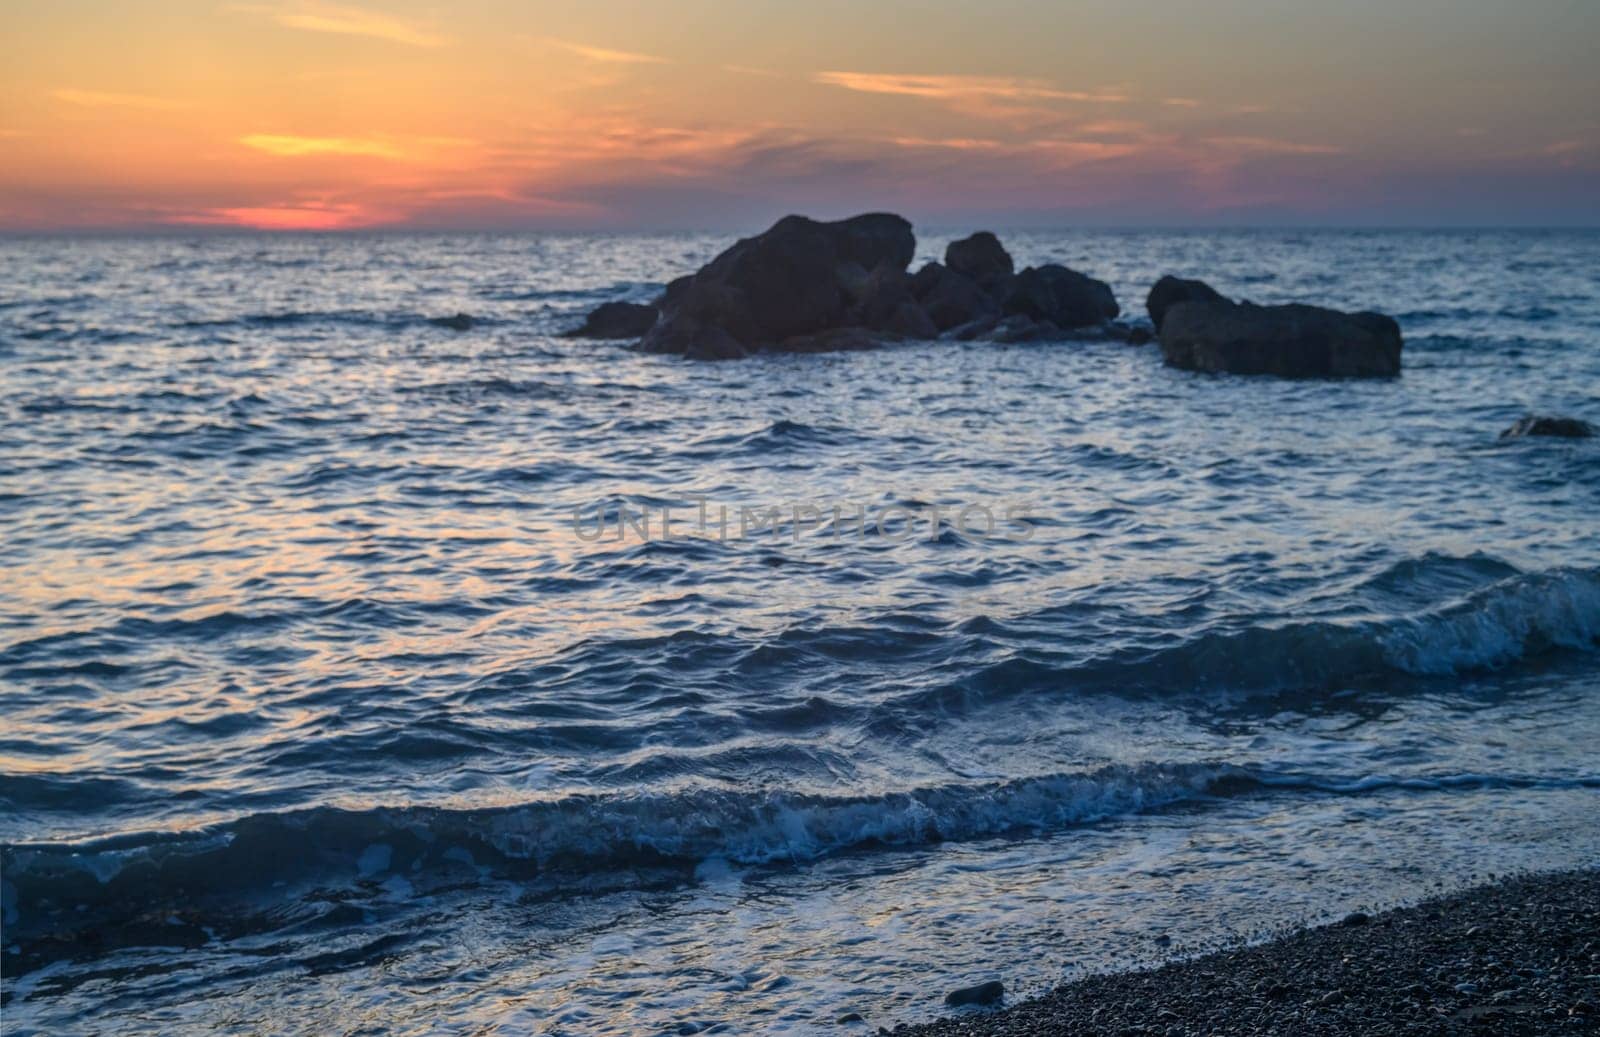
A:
{"x":322,"y":713}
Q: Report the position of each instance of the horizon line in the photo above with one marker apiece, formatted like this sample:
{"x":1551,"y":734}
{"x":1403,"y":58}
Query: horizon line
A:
{"x":165,"y":231}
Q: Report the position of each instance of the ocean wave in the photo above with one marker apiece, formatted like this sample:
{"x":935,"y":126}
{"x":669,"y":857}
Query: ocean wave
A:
{"x":577,"y":834}
{"x":47,"y":886}
{"x":1512,"y":619}
{"x":358,"y":318}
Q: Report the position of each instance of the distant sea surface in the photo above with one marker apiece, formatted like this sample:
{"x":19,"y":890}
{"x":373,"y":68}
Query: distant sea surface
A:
{"x":324,"y":710}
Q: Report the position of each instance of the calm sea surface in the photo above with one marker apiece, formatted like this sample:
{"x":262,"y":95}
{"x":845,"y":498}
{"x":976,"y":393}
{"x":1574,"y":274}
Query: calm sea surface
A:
{"x":326,"y":711}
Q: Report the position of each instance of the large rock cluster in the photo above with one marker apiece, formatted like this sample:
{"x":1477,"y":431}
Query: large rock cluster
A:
{"x":808,"y":286}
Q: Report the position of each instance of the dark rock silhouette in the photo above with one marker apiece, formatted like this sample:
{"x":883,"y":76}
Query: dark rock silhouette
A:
{"x":1169,"y":291}
{"x":455,"y":322}
{"x":809,"y":286}
{"x":951,"y":299}
{"x":1054,"y":293}
{"x":1021,"y":328}
{"x":798,"y":278}
{"x":981,"y":257}
{"x":981,"y":994}
{"x":1293,"y":341}
{"x":1545,"y":425}
{"x":695,"y":341}
{"x":617,"y":320}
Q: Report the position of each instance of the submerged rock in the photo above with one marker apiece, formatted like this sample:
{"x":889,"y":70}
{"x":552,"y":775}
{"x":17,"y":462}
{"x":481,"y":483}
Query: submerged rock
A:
{"x":1169,"y":291}
{"x":981,"y":994}
{"x":695,"y":341}
{"x":617,"y":320}
{"x":455,"y":322}
{"x":1543,"y":425}
{"x":1293,"y":341}
{"x":834,"y":340}
{"x":1018,"y":328}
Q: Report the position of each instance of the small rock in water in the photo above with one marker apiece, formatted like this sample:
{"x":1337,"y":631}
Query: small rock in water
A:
{"x":850,"y":1017}
{"x":1163,"y":940}
{"x":457,"y":322}
{"x":1466,"y":988}
{"x":982,"y":994}
{"x":1357,"y":918}
{"x":1541,"y":425}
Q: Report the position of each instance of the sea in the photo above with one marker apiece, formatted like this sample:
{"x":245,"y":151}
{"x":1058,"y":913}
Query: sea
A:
{"x":367,"y":671}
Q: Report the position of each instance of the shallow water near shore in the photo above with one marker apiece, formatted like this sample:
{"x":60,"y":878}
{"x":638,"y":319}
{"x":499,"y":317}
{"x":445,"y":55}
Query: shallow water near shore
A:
{"x":325,"y":711}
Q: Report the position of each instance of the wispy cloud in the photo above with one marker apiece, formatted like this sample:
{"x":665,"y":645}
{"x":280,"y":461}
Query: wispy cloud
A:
{"x":952,"y":143}
{"x":1566,"y":147}
{"x":105,"y":99}
{"x":348,"y":21}
{"x":603,"y":55}
{"x":1271,"y":146}
{"x":1180,"y":102}
{"x":951,"y":88}
{"x":289,"y":146}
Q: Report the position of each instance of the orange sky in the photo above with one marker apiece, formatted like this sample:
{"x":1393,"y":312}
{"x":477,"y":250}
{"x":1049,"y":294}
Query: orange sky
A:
{"x":297,"y":114}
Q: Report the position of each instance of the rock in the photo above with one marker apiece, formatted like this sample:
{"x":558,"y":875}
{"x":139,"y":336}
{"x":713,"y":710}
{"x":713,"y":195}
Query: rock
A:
{"x":973,"y":329}
{"x":1355,"y":918}
{"x":673,"y":293}
{"x":980,"y":257}
{"x":1539,"y":425}
{"x":1064,"y":297}
{"x":1293,"y":341}
{"x":1169,"y":291}
{"x":910,"y":320}
{"x":715,"y":344}
{"x":850,"y":1017}
{"x":807,"y":286}
{"x":1018,"y":328}
{"x":949,"y":298}
{"x":885,"y":290}
{"x":696,"y":341}
{"x":982,"y":994}
{"x":1331,"y":998}
{"x":456,"y":322}
{"x":798,"y":278}
{"x":617,"y":320}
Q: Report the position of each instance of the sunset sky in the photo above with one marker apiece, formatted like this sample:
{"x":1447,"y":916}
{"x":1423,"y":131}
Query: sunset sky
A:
{"x":125,"y":114}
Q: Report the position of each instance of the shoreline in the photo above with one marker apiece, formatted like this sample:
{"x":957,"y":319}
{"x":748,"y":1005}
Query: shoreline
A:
{"x":1516,"y":956}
